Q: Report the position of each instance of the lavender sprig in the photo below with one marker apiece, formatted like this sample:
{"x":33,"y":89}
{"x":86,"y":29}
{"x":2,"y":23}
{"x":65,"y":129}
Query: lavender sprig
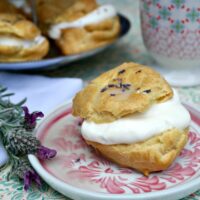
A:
{"x":24,"y":171}
{"x":16,"y":131}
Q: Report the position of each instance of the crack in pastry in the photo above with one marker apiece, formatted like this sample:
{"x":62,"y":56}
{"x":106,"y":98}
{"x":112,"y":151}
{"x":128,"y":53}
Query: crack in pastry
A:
{"x":20,"y":39}
{"x":78,"y":26}
{"x":133,"y":117}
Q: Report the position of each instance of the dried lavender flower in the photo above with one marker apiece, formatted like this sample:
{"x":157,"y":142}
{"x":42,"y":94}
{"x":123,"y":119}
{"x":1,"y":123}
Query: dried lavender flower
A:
{"x":20,"y":142}
{"x":122,"y":71}
{"x":29,"y":177}
{"x":24,"y":171}
{"x":44,"y":153}
{"x":31,"y":118}
{"x":147,"y":91}
{"x":126,"y":86}
{"x":104,"y":89}
{"x":112,"y":85}
{"x":139,"y":71}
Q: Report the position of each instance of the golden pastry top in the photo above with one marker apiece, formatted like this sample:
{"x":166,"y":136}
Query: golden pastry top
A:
{"x":56,"y":11}
{"x":124,"y":90}
{"x":17,"y":25}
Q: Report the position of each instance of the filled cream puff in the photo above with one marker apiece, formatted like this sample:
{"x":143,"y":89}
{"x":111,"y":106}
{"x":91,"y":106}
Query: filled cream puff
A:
{"x":20,"y":39}
{"x":133,"y":117}
{"x":78,"y":25}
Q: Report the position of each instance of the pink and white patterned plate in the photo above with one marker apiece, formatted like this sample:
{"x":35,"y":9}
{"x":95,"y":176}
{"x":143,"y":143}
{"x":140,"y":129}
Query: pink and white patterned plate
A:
{"x":78,"y":172}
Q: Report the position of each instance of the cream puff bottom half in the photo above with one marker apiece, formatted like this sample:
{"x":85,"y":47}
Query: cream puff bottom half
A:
{"x":152,"y":155}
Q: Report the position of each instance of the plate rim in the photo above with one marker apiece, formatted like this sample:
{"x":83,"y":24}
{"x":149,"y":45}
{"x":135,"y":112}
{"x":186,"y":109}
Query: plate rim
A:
{"x":180,"y":190}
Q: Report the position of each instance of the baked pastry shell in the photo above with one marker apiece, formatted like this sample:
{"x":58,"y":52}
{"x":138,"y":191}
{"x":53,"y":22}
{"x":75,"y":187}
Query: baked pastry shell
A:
{"x":95,"y":102}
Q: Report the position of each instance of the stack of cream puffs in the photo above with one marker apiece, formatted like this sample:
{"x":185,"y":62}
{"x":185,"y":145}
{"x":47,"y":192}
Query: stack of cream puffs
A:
{"x":133,"y":117}
{"x":75,"y":26}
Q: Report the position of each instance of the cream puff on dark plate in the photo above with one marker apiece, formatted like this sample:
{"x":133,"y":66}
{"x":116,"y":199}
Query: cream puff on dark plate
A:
{"x":133,"y":117}
{"x":78,"y":25}
{"x":20,"y":39}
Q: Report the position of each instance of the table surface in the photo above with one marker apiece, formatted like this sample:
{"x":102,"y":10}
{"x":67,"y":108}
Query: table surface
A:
{"x":130,"y":48}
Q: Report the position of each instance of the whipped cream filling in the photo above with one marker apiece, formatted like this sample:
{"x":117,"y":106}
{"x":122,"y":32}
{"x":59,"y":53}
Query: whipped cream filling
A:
{"x":22,"y":4}
{"x":139,"y":127}
{"x":100,"y":14}
{"x":17,"y":42}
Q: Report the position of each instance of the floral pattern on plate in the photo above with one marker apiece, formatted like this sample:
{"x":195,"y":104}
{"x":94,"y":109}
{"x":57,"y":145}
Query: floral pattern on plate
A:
{"x":78,"y":165}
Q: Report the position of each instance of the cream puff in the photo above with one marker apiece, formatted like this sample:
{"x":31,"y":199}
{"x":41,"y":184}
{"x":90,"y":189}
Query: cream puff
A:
{"x":78,"y":25}
{"x":133,"y":117}
{"x":20,"y":39}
